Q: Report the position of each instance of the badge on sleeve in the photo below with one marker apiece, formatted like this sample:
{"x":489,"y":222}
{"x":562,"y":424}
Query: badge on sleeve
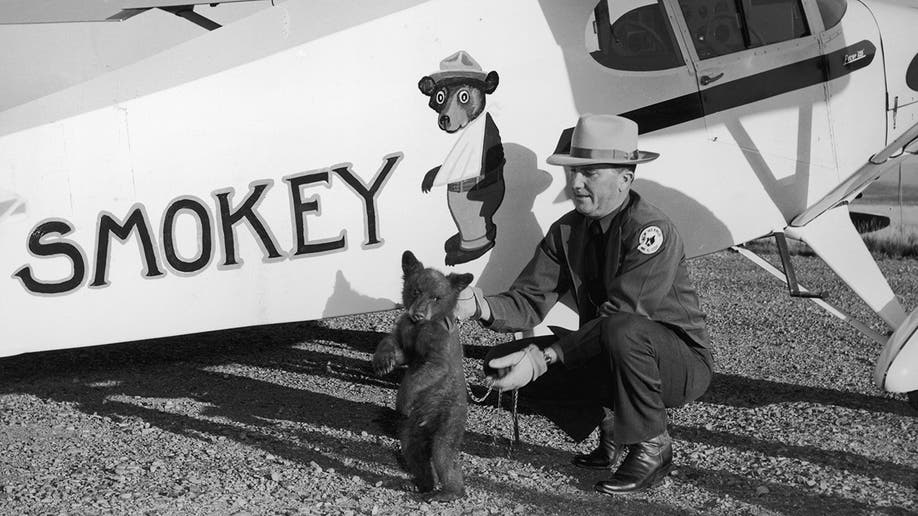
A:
{"x":651,"y":239}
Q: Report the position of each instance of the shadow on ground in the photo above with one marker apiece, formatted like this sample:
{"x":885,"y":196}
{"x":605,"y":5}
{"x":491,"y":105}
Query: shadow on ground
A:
{"x":299,"y":425}
{"x":177,"y":367}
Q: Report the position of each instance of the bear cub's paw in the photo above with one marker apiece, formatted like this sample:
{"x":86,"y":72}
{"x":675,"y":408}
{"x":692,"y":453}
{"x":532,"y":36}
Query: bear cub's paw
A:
{"x":387,"y":357}
{"x":383,"y":363}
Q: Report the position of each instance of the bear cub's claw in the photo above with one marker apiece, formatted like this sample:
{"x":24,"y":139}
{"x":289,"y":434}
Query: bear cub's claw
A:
{"x":384,"y":363}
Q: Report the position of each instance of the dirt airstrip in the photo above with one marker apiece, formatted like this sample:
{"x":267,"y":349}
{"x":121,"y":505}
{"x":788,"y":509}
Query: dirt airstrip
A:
{"x":288,"y":419}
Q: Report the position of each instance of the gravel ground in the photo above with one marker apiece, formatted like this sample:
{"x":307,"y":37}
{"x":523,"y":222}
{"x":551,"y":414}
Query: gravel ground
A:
{"x":288,"y":419}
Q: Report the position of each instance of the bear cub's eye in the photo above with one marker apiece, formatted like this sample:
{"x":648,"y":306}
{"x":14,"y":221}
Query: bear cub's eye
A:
{"x":441,"y":96}
{"x":463,"y":96}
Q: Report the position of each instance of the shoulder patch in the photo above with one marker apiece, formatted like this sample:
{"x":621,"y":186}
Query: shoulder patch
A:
{"x":650,"y":240}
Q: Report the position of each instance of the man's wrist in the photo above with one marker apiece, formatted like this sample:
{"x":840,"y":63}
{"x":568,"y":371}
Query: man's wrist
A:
{"x":484,"y":308}
{"x":551,"y":356}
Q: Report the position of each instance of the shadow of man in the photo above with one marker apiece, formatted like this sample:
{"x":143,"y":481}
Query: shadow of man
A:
{"x":519,"y":231}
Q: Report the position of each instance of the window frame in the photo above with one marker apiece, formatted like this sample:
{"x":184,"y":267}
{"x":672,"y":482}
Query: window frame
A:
{"x":679,"y":50}
{"x":809,"y":28}
{"x":810,"y":13}
{"x":818,"y":14}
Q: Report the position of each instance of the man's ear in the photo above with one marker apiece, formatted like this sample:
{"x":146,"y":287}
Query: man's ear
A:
{"x":410,"y":264}
{"x":626,"y":178}
{"x":460,"y":281}
{"x":427,"y":85}
{"x":491,"y":82}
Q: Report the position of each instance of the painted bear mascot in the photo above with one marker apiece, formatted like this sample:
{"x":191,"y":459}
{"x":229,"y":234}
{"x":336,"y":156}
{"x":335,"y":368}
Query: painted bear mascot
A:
{"x":473,"y":171}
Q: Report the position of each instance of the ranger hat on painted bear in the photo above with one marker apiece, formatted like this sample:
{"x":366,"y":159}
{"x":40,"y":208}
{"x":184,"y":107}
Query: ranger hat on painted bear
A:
{"x":600,"y":140}
{"x":459,"y":68}
{"x":460,"y":65}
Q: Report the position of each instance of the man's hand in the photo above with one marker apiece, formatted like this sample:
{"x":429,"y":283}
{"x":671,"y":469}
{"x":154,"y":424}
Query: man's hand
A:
{"x":466,"y":307}
{"x":471,"y":304}
{"x":607,"y":308}
{"x":518,"y":369}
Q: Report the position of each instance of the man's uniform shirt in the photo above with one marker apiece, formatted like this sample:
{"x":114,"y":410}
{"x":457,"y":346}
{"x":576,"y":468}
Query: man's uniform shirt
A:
{"x":644,"y":273}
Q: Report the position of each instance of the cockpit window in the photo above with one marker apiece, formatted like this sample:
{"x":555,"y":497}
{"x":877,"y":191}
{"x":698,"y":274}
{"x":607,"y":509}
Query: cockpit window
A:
{"x":641,"y":39}
{"x":715,"y":25}
{"x":720,"y":27}
{"x":774,"y":21}
{"x":831,"y":11}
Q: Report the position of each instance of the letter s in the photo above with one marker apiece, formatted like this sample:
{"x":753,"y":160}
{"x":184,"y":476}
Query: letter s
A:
{"x":58,"y":247}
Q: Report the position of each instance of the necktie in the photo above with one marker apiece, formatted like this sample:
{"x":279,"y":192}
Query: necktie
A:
{"x":594,"y":259}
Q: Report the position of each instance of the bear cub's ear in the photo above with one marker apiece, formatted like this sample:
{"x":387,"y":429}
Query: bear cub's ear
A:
{"x":410,"y":264}
{"x":460,"y":281}
{"x":427,"y":85}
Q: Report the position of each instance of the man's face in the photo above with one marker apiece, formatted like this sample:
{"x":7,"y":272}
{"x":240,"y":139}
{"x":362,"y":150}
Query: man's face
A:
{"x":598,"y":189}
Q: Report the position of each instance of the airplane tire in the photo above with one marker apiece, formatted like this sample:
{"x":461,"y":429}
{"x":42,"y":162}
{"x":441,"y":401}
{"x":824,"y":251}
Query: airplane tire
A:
{"x":913,"y":399}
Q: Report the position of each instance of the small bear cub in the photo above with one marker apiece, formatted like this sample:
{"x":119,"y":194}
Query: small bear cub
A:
{"x":432,"y":396}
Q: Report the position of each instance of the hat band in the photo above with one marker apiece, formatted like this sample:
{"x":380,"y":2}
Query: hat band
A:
{"x":582,"y":152}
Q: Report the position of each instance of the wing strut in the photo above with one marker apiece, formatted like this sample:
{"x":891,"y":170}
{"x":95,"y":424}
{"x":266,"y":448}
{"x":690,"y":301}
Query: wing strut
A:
{"x":187,"y":12}
{"x":789,"y":276}
{"x":833,"y":310}
{"x":876,"y":166}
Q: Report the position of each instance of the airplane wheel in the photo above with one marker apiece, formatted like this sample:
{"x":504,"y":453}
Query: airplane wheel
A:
{"x":913,"y":399}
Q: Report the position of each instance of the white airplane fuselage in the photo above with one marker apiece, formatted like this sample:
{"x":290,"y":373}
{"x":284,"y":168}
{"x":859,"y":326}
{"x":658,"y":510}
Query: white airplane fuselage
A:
{"x":270,"y":171}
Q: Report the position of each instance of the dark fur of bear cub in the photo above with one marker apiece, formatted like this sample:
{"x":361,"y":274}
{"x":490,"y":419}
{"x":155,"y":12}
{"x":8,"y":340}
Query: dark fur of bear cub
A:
{"x":432,"y":395}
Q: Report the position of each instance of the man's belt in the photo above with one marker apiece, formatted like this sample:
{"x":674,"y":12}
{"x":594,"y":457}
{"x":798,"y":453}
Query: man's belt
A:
{"x":465,"y":185}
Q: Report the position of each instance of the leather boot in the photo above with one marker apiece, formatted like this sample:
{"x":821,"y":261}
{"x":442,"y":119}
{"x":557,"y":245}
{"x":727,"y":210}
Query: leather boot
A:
{"x":604,"y":456}
{"x":646,"y":464}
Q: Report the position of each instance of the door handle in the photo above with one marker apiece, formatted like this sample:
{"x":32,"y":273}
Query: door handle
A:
{"x":708,"y":79}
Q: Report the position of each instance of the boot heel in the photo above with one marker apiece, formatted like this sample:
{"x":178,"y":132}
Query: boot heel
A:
{"x":660,"y":476}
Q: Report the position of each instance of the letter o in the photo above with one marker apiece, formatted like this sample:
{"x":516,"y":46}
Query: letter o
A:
{"x":205,"y":236}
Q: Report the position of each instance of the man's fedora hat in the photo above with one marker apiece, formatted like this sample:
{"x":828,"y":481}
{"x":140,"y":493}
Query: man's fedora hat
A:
{"x":459,"y":66}
{"x":602,"y":139}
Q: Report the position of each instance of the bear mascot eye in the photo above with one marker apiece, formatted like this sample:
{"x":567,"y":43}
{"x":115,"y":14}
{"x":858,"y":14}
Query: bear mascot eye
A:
{"x":463,"y":96}
{"x":441,"y":97}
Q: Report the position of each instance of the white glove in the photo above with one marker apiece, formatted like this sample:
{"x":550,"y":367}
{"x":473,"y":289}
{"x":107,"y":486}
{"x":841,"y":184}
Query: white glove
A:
{"x":518,"y":369}
{"x":471,"y":304}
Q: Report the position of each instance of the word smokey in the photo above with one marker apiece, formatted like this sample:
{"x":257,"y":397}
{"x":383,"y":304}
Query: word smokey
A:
{"x":47,"y":238}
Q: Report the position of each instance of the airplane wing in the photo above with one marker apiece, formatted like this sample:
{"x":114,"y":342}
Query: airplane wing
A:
{"x":876,"y":166}
{"x":66,"y":11}
{"x":826,"y":228}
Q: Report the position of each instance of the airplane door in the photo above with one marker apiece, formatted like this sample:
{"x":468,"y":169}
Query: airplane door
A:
{"x":857,"y":81}
{"x":761,"y":81}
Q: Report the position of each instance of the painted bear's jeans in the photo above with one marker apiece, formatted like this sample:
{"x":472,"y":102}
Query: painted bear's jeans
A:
{"x":473,"y":207}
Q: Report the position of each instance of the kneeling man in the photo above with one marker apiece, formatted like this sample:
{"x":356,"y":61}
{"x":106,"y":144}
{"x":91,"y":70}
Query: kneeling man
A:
{"x":642,"y":345}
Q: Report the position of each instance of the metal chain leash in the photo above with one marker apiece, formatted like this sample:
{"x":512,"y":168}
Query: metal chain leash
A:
{"x":468,"y":389}
{"x":514,"y":414}
{"x":354,"y":372}
{"x":359,"y":373}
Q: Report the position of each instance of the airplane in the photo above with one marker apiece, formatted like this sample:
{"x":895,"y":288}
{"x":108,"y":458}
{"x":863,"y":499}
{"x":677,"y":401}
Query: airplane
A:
{"x":273,"y":169}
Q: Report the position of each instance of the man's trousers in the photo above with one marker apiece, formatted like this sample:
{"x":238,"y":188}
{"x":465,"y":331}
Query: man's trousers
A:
{"x":638,"y":368}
